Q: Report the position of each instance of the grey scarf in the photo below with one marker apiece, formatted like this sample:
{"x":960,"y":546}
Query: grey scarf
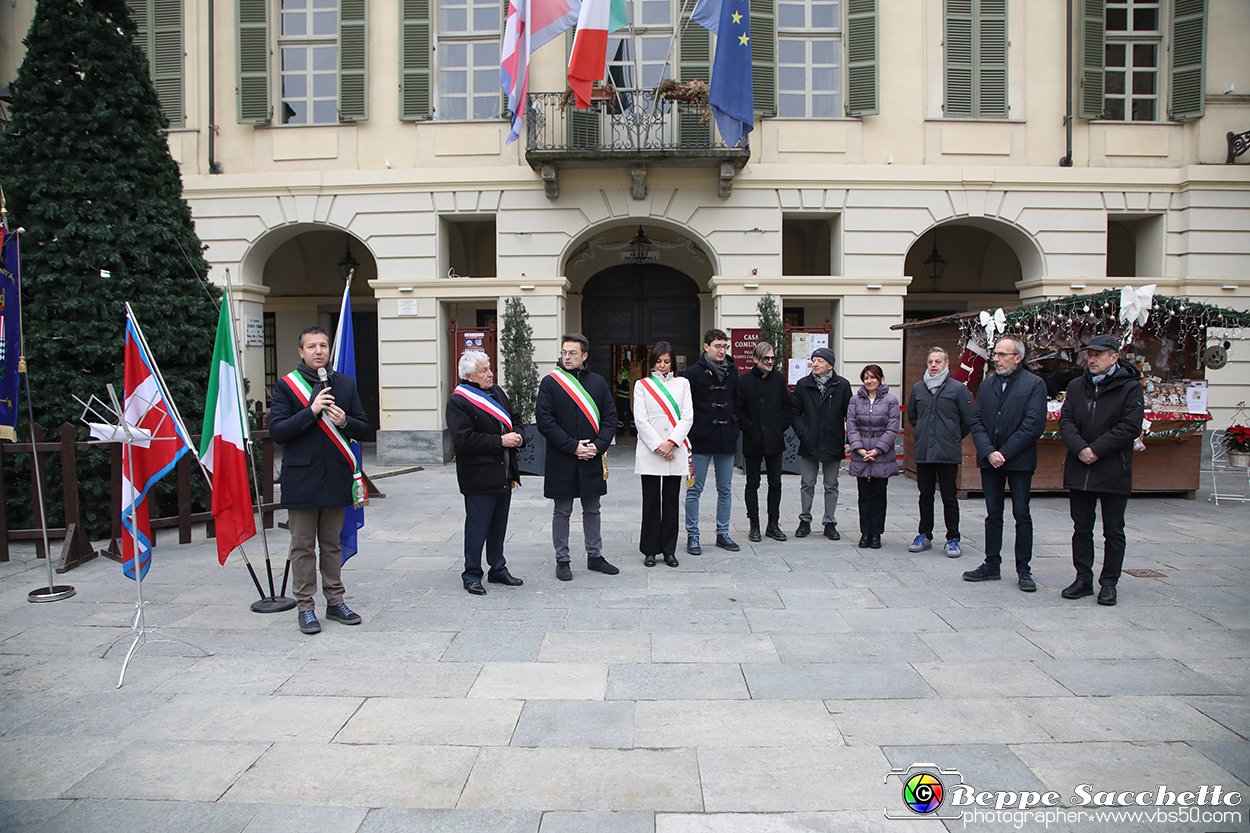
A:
{"x":935,"y":382}
{"x":822,"y":381}
{"x":721,"y":369}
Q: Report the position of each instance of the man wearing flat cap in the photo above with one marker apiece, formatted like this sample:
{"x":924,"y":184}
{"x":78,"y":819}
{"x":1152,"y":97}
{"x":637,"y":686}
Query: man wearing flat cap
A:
{"x":1101,"y":417}
{"x":819,"y":421}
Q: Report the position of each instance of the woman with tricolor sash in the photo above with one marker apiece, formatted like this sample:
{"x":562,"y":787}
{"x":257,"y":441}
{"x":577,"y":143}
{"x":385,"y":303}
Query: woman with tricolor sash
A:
{"x":663,"y":413}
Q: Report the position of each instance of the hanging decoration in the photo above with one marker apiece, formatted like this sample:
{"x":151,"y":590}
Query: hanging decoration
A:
{"x":1135,"y":308}
{"x":993,"y":323}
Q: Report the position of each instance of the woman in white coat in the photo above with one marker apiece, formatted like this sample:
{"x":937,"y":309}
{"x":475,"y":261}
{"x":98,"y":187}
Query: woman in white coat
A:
{"x":663,"y":413}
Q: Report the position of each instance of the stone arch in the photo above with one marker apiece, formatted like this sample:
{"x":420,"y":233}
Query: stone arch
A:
{"x":599,"y":247}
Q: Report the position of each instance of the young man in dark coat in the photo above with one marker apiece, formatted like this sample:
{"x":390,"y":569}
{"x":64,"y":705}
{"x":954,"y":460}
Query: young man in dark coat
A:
{"x":309,"y":417}
{"x":819,"y":420}
{"x":764,"y":409}
{"x":713,"y":436}
{"x":940,"y":409}
{"x":1101,"y":417}
{"x":1007,"y":421}
{"x":486,"y":434}
{"x":576,"y":414}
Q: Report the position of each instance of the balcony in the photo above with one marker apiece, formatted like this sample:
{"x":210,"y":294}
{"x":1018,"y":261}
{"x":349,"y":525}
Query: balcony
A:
{"x":625,"y":127}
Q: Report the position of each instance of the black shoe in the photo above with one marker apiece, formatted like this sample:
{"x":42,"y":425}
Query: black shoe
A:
{"x":343,"y":614}
{"x":563,"y":571}
{"x":754,"y":534}
{"x":600,"y":565}
{"x":648,"y":561}
{"x":308,"y":622}
{"x":774,"y":531}
{"x":804,"y":530}
{"x":670,"y":560}
{"x":1027,"y":584}
{"x":865,"y":541}
{"x":726,"y":543}
{"x":983,"y":573}
{"x":475,"y":587}
{"x":876,"y":542}
{"x":1106,"y":596}
{"x":831,"y":532}
{"x":1077,"y":590}
{"x":506,"y":578}
{"x":692,"y":545}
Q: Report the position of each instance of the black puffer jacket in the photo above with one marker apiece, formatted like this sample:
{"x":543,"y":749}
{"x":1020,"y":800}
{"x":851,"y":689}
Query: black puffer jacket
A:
{"x":483,"y":465}
{"x":1105,"y":418}
{"x":764,"y":409}
{"x":715,"y":428}
{"x":942,"y":419}
{"x":820,"y":421}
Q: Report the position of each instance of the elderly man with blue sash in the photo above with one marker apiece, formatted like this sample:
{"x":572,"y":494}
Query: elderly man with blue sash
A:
{"x":486,"y":434}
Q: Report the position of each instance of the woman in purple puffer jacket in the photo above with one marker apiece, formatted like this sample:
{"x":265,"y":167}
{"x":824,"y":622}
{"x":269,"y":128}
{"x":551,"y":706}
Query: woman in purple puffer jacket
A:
{"x":871,"y":427}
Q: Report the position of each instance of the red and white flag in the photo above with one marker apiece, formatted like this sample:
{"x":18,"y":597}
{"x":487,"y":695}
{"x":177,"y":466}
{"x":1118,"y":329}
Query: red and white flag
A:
{"x":531,"y":23}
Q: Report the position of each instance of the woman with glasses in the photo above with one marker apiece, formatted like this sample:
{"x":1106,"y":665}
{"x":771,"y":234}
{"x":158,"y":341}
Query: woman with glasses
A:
{"x":764,"y":408}
{"x":663,"y":414}
{"x":872,"y":421}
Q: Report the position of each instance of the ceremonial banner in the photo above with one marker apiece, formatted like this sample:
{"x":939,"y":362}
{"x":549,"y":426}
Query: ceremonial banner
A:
{"x":10,"y":333}
{"x":344,"y":360}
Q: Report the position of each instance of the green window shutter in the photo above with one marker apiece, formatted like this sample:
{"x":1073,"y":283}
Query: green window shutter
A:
{"x":1092,"y":56}
{"x":1187,"y":87}
{"x":253,"y":66}
{"x":353,"y":61}
{"x":959,"y":69}
{"x":159,"y":35}
{"x":415,"y":88}
{"x":694,"y":62}
{"x":764,"y":56}
{"x":991,"y":54}
{"x":861,"y":58}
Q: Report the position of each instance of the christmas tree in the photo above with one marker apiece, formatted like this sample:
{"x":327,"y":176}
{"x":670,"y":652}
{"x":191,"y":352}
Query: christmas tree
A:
{"x":86,"y":170}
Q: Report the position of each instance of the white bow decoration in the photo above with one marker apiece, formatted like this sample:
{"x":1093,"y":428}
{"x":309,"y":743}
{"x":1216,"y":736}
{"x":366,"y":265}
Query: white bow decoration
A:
{"x":997,"y":321}
{"x":1135,"y":304}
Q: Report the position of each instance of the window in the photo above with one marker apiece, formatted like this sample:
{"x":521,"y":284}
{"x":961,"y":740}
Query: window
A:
{"x":1133,"y":43}
{"x":309,"y":49}
{"x":640,"y":56}
{"x":468,"y":59}
{"x":809,"y":58}
{"x":159,"y":35}
{"x":975,"y":42}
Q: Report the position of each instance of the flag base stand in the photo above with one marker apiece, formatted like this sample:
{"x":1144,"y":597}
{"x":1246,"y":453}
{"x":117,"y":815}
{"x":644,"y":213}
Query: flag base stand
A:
{"x":273,"y":604}
{"x":141,"y":632}
{"x":52,"y":593}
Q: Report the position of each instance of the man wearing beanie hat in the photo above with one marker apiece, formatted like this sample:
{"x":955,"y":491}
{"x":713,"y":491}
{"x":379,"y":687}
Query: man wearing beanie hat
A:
{"x":820,"y":399}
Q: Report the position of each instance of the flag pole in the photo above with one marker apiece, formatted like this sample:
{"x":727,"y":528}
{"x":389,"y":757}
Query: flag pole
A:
{"x":273,"y":603}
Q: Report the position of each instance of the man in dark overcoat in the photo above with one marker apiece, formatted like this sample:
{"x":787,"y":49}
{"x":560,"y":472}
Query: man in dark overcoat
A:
{"x":486,"y":433}
{"x":1101,"y":417}
{"x":940,"y":410}
{"x":1007,"y":421}
{"x":713,"y":436}
{"x":576,"y":414}
{"x":312,"y":419}
{"x":821,"y":399}
{"x":763,"y":407}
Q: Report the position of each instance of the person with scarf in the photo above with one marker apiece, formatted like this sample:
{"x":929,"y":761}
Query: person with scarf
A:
{"x":819,"y":421}
{"x":763,"y":407}
{"x":486,"y":434}
{"x":871,"y":428}
{"x":940,"y":409}
{"x":312,"y":417}
{"x":663,"y":415}
{"x":713,"y":436}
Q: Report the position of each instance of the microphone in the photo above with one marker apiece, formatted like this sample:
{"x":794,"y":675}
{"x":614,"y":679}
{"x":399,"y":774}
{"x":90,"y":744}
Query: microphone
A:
{"x":324,"y":376}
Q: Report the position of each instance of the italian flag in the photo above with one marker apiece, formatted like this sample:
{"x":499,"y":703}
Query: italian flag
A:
{"x":222,"y":446}
{"x":590,"y":48}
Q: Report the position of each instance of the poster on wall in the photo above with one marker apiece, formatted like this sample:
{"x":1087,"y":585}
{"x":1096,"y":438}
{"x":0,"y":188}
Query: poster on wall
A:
{"x":797,"y":369}
{"x":742,"y":341}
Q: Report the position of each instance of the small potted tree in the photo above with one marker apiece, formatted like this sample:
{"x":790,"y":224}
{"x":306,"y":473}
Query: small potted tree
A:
{"x":520,"y":380}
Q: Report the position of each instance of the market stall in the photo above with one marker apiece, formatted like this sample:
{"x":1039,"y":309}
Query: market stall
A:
{"x":1165,"y":337}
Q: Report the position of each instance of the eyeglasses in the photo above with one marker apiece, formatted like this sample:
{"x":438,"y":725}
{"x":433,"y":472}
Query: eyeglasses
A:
{"x":999,"y":355}
{"x":570,"y":352}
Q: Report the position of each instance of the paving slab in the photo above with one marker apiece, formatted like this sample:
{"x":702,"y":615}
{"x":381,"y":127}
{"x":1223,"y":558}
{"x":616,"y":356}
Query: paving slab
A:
{"x":564,"y":821}
{"x":835,"y":681}
{"x":953,"y":680}
{"x":676,"y":681}
{"x":1111,"y":766}
{"x":846,"y":821}
{"x":700,"y":723}
{"x":168,"y":770}
{"x":790,"y":778}
{"x":1232,"y":712}
{"x":38,"y":767}
{"x":385,"y":820}
{"x":329,"y":678}
{"x":982,"y":766}
{"x":130,"y":816}
{"x":701,"y":647}
{"x":851,"y":647}
{"x":1129,"y":676}
{"x":595,"y":646}
{"x":898,"y":722}
{"x":1150,"y":718}
{"x":281,"y":818}
{"x":543,"y":681}
{"x":595,"y":724}
{"x":434,"y":721}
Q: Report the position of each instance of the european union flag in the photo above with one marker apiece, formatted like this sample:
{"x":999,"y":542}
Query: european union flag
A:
{"x":345,"y":363}
{"x":731,"y":96}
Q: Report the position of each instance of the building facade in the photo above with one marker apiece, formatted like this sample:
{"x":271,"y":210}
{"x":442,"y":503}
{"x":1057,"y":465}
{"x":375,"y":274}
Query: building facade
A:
{"x":1043,"y":149}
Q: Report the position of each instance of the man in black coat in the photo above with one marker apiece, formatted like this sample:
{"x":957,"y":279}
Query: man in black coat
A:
{"x":819,"y":420}
{"x":575,"y":413}
{"x":940,"y":409}
{"x":1007,"y":421}
{"x":713,"y":436}
{"x":763,"y":407}
{"x":1101,"y":417}
{"x":312,"y":417}
{"x":486,"y":434}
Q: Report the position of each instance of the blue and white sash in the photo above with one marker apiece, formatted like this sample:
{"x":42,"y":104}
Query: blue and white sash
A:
{"x":484,"y":402}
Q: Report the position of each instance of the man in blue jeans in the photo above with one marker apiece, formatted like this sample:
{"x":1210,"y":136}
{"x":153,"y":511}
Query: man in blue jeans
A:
{"x":713,"y":437}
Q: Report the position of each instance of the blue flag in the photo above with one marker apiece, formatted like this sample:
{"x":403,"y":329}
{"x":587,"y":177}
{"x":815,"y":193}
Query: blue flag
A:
{"x":731,"y":96}
{"x":345,"y":363}
{"x":10,"y":333}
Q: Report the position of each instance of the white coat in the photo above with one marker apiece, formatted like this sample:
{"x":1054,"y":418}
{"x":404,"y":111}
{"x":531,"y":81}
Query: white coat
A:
{"x":654,"y":428}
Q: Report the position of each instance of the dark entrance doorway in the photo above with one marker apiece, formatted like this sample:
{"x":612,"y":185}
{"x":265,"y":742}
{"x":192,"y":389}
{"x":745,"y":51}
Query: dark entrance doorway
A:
{"x":640,"y":305}
{"x":365,"y":330}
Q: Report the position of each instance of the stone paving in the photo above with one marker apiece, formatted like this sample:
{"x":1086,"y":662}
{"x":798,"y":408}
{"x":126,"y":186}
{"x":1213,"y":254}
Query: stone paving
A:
{"x":768,"y":690}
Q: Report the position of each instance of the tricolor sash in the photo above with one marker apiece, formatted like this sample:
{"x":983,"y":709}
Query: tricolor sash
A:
{"x":584,"y":402}
{"x":303,"y":392}
{"x":668,"y":405}
{"x":485,"y":402}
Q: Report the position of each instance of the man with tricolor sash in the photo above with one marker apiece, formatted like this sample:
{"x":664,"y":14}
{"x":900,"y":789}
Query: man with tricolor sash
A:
{"x":314,"y":416}
{"x":577,"y":417}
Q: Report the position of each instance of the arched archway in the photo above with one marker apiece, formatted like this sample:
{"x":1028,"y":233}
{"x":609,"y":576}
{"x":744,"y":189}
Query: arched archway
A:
{"x":985,"y":261}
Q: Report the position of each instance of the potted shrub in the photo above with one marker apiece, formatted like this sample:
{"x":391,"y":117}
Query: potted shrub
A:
{"x":1237,"y":441}
{"x":520,"y":380}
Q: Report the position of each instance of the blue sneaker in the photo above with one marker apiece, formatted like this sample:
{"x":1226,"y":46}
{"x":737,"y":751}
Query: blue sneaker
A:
{"x":923,"y":542}
{"x":308,"y":622}
{"x":952,"y":549}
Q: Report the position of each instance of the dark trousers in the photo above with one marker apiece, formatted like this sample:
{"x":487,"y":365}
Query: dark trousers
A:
{"x":872,"y":504}
{"x":994,"y":483}
{"x":928,"y":477}
{"x":773,"y":463}
{"x":1083,"y":506}
{"x":485,"y":522}
{"x":660,"y":522}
